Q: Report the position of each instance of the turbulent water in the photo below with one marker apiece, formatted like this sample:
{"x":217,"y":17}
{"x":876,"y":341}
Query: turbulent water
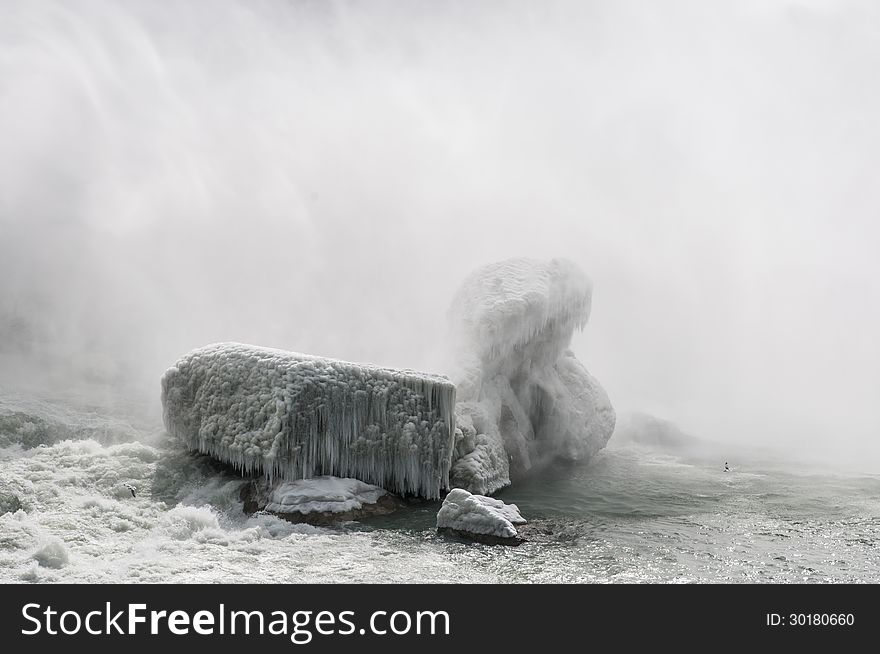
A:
{"x":632,"y":515}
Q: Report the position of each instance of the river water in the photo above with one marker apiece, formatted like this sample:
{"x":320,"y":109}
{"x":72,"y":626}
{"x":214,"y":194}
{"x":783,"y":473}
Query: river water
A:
{"x":632,"y":515}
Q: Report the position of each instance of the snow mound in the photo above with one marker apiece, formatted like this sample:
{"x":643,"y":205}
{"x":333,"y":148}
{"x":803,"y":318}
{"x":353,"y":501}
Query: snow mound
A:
{"x":294,"y":416}
{"x":322,"y":495}
{"x":465,"y":513}
{"x":524,"y":398}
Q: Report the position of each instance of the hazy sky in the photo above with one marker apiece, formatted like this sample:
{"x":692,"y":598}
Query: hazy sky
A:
{"x":320,"y":176}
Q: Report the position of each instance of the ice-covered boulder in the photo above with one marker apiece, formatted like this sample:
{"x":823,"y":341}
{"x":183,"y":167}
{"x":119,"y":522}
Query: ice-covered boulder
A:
{"x":479,"y":518}
{"x":293,"y":416}
{"x":524,"y":399}
{"x":320,"y":500}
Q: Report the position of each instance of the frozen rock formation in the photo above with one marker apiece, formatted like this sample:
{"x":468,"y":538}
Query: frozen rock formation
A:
{"x":293,"y":416}
{"x":479,"y":518}
{"x":524,"y":399}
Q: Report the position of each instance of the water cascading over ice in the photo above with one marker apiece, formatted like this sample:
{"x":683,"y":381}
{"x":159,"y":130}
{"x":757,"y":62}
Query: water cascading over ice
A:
{"x":523,"y":397}
{"x":294,"y":416}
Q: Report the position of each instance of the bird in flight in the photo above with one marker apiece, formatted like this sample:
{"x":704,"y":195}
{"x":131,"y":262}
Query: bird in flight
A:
{"x":133,"y":489}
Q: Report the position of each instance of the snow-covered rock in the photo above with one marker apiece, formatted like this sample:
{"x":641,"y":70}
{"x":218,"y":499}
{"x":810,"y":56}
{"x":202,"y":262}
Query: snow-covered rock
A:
{"x":479,"y":518}
{"x":294,"y":416}
{"x":322,"y":494}
{"x":524,"y":399}
{"x":320,"y":500}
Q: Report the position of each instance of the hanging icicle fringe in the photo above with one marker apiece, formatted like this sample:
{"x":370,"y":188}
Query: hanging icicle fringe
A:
{"x":294,"y":416}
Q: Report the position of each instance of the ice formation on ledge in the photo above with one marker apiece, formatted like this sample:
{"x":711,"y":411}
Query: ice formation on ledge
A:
{"x":523,"y":397}
{"x":294,"y":416}
{"x":467,"y":514}
{"x":322,"y":495}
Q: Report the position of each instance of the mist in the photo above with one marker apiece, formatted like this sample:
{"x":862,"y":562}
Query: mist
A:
{"x":320,"y":177}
